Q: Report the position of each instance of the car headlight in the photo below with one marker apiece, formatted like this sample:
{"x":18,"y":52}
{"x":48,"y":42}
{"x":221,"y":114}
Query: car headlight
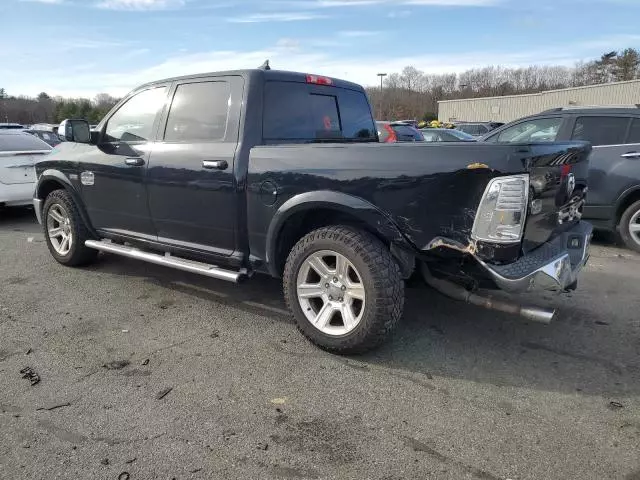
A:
{"x":502,"y":211}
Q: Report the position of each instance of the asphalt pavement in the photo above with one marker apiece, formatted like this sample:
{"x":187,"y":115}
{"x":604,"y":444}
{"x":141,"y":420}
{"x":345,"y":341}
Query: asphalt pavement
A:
{"x":150,"y":373}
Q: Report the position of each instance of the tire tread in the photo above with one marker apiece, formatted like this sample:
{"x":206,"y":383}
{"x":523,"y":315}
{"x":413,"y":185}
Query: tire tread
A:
{"x":81,"y":254}
{"x":388,"y":285}
{"x":625,"y":235}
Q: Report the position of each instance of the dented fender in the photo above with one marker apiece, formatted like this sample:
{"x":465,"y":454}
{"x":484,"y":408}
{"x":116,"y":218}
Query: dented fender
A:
{"x":351,"y":205}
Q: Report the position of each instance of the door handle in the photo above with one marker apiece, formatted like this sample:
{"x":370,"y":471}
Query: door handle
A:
{"x":631,"y":155}
{"x":134,"y":161}
{"x":215,"y":164}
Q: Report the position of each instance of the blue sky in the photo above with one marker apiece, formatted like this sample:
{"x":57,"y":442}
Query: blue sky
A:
{"x":83,"y":47}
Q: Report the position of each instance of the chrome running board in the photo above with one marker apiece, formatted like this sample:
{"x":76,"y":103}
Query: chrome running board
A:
{"x":168,"y":260}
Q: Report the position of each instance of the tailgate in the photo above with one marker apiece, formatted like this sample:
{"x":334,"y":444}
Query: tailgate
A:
{"x":558,"y":175}
{"x":18,"y":167}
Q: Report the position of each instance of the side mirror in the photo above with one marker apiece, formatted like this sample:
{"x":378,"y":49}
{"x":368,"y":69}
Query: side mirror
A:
{"x":74,"y":130}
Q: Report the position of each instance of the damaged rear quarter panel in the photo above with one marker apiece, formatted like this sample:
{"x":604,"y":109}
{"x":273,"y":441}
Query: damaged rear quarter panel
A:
{"x":429,"y":191}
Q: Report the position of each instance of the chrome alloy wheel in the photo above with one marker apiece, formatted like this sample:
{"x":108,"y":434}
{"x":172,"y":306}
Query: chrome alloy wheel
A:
{"x":634,"y":227}
{"x":330,"y":292}
{"x":59,"y":229}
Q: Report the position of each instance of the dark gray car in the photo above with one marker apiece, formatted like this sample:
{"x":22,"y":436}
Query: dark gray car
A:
{"x":477,"y":129}
{"x":613,"y":202}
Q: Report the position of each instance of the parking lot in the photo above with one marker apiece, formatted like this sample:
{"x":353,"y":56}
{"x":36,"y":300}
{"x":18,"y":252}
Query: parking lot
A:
{"x":163,"y":374}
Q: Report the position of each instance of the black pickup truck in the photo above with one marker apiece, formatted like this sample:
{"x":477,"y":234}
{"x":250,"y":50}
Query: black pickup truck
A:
{"x":261,"y":171}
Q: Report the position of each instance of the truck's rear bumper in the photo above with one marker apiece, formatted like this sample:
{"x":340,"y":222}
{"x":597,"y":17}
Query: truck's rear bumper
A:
{"x":552,"y":266}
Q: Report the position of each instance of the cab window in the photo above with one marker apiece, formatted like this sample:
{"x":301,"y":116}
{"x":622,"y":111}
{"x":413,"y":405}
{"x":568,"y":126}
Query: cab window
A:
{"x":199,"y":112}
{"x":134,"y":120}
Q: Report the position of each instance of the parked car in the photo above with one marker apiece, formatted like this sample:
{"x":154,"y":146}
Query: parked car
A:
{"x":18,"y":153}
{"x":613,"y":202}
{"x":446,"y":135}
{"x":239,"y":173}
{"x":391,"y":132}
{"x":11,"y":126}
{"x":48,"y":136}
{"x":478,"y":129}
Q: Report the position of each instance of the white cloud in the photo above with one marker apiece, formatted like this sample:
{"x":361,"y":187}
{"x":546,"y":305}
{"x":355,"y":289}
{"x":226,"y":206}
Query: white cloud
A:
{"x":140,"y":4}
{"x":358,"y":33}
{"x":454,"y":3}
{"x":275,"y":17}
{"x":288,"y":54}
{"x":311,"y":4}
{"x":290,"y":43}
{"x":399,"y":14}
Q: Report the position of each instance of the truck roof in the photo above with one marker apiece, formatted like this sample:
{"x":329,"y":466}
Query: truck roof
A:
{"x":258,"y":73}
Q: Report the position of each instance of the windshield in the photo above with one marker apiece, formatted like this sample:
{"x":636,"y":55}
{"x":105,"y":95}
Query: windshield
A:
{"x":298,"y":112}
{"x":536,"y":130}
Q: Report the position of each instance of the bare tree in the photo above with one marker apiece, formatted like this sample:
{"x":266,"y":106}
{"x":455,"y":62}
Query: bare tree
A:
{"x":413,"y":94}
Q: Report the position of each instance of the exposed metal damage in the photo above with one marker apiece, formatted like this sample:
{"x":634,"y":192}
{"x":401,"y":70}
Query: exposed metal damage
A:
{"x":470,"y":249}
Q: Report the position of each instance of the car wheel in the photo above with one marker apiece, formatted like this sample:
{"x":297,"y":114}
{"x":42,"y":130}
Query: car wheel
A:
{"x":344,"y":289}
{"x":65,"y":231}
{"x":630,"y":227}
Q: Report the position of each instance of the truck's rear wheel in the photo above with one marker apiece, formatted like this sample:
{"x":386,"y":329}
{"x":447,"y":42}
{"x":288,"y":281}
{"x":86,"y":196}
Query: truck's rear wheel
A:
{"x":344,"y":289}
{"x":65,"y":231}
{"x":630,"y":227}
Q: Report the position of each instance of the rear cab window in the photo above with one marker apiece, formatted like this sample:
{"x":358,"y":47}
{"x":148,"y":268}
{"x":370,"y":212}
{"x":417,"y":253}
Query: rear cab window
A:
{"x":199,"y":112}
{"x":299,"y":112}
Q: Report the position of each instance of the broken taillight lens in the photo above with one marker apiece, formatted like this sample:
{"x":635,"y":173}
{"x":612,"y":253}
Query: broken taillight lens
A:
{"x":502,"y":211}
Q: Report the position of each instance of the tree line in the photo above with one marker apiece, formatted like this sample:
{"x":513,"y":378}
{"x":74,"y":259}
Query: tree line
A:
{"x":412,"y":94}
{"x":47,"y":109}
{"x":408,"y":94}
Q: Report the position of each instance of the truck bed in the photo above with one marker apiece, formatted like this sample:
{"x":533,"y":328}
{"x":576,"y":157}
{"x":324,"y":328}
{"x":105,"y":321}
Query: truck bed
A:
{"x":429,"y":191}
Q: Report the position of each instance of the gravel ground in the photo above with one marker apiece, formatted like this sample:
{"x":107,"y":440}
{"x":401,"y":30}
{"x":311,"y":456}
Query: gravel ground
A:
{"x":460,"y":393}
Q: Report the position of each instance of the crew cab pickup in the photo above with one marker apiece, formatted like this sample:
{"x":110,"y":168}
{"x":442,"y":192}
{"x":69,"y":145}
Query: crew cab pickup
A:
{"x":260,"y":171}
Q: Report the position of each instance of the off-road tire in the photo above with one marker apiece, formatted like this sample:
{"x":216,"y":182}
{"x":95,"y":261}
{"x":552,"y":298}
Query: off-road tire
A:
{"x":79,"y":254}
{"x":383,"y":284}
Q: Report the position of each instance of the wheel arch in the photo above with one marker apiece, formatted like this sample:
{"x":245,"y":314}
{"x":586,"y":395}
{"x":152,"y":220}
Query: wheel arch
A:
{"x":51,"y":180}
{"x":308,"y":211}
{"x":629,"y":197}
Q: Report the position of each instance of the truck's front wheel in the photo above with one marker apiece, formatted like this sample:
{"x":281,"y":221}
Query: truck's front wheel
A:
{"x":344,"y":289}
{"x":65,"y":231}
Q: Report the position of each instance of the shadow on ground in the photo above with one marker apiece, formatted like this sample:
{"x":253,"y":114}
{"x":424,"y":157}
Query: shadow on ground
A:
{"x":584,"y":350}
{"x":591,"y":348}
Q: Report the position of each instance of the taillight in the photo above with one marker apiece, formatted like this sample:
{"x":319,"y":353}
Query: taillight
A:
{"x":392,"y":135}
{"x":566,"y":169}
{"x":502,"y":211}
{"x":317,"y":80}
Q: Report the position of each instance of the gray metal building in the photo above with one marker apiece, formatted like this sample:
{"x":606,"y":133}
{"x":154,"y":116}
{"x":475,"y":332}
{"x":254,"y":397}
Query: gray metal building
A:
{"x":512,"y":107}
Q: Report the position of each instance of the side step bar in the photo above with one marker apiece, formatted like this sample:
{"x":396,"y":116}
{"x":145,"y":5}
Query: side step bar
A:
{"x":167,"y":260}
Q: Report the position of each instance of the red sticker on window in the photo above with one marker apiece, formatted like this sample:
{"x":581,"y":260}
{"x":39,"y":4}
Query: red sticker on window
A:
{"x":327,"y":123}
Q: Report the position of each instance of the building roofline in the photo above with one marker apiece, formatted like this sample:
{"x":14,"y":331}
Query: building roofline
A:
{"x":522,"y":95}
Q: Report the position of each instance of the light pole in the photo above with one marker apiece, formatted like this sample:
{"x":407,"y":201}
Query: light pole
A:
{"x":381,"y":75}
